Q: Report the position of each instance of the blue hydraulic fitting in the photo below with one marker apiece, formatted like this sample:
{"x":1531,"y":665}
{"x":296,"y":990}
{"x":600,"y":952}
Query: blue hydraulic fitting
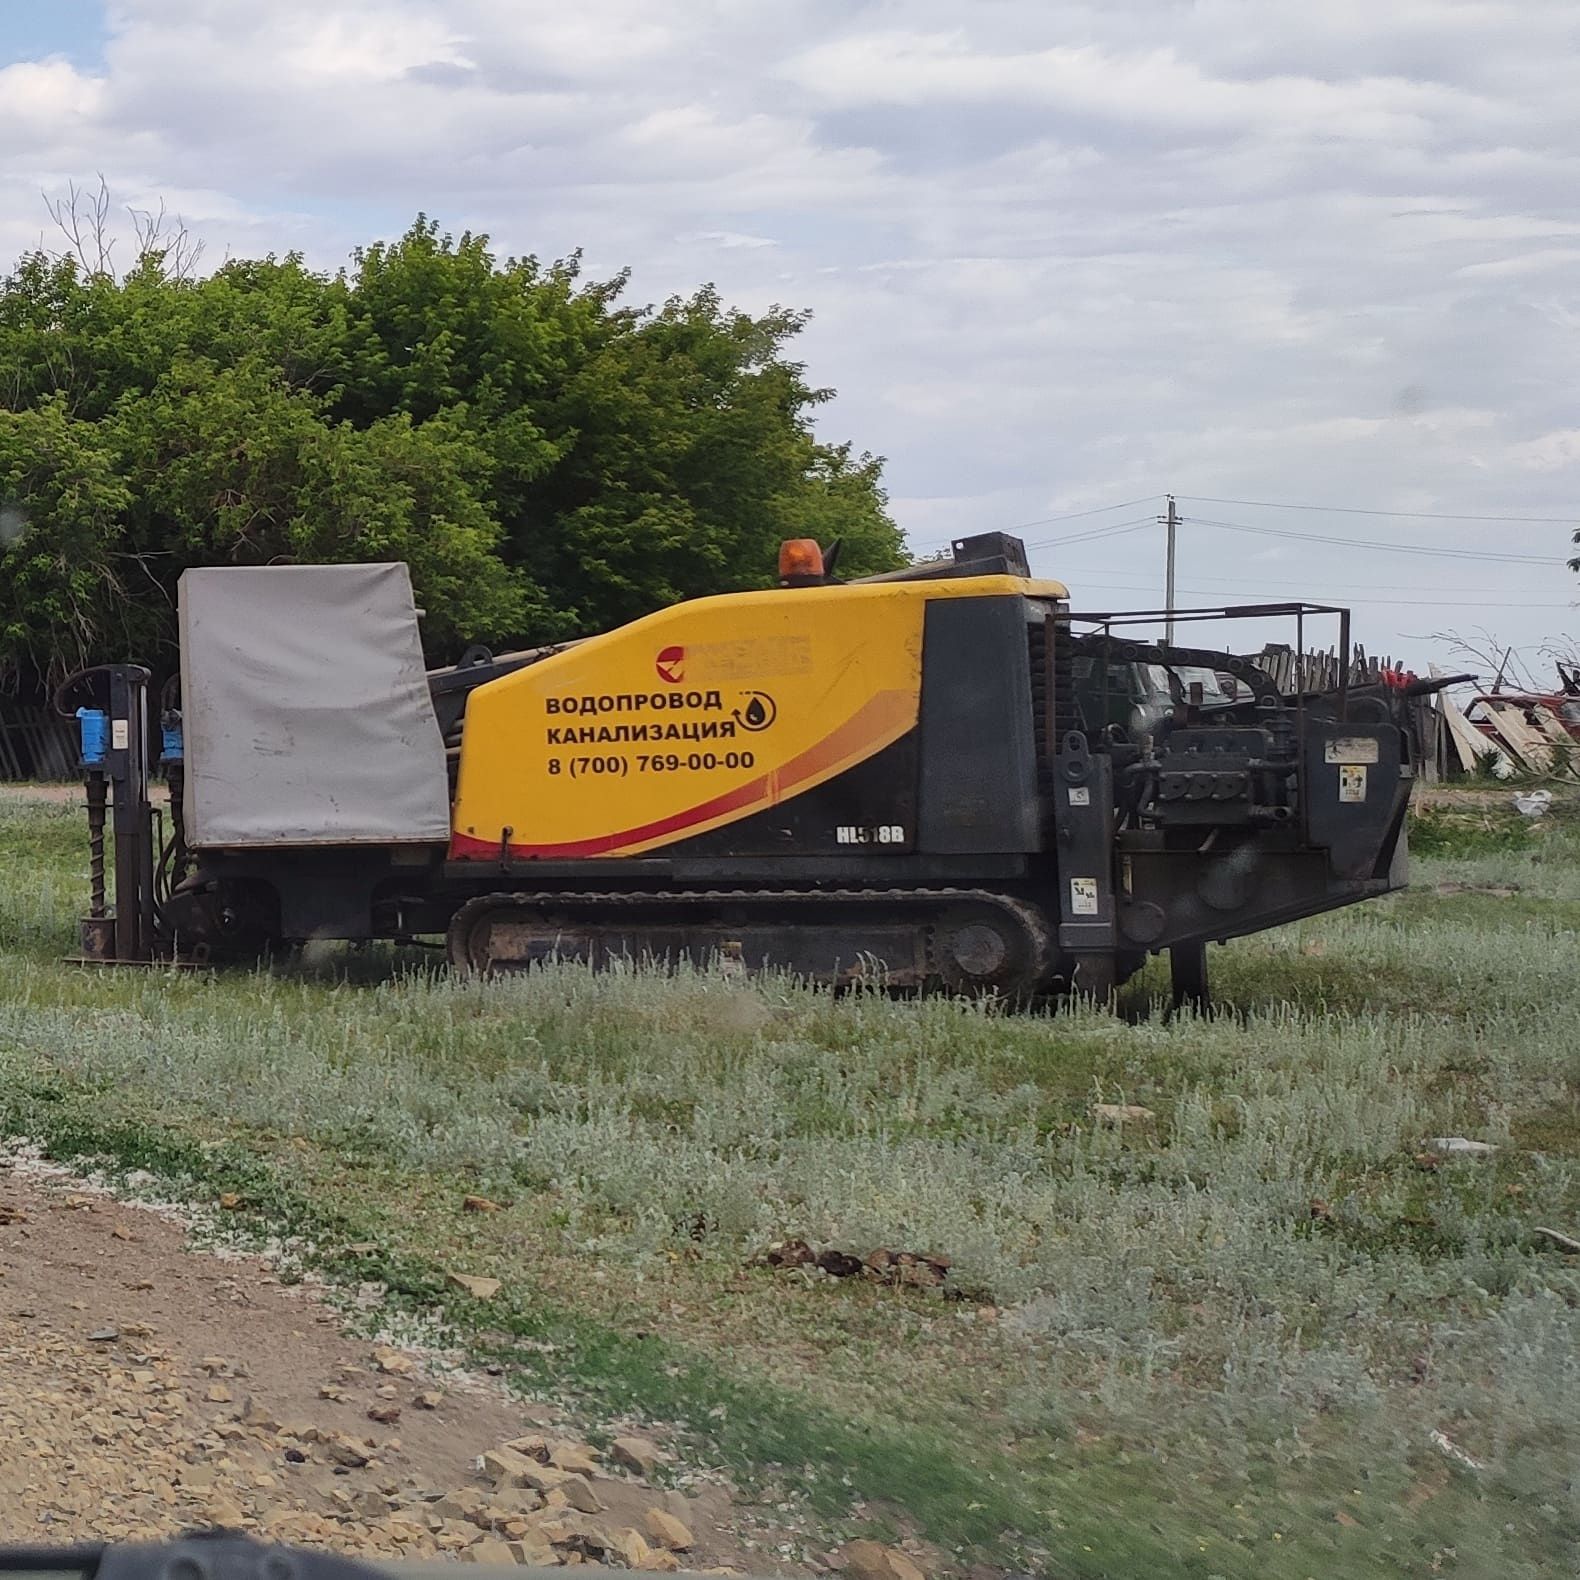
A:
{"x":94,"y":724}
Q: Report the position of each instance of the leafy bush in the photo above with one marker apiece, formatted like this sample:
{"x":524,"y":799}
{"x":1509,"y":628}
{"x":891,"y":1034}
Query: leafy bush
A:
{"x":1467,"y":831}
{"x":548,"y":460}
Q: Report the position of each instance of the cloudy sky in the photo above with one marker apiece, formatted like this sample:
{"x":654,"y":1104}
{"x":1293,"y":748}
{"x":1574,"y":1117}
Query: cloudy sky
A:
{"x":1061,"y":257}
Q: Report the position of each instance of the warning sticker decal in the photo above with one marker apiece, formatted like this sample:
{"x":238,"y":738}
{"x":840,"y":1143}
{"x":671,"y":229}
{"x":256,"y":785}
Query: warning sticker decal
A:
{"x":1350,"y":749}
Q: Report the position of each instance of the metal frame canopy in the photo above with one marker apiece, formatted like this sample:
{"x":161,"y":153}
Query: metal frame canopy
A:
{"x":1298,"y":611}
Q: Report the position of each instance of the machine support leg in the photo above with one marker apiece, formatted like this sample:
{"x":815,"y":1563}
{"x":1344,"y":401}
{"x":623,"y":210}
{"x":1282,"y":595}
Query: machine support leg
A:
{"x":110,"y":702}
{"x":131,"y":814}
{"x":1188,"y":976}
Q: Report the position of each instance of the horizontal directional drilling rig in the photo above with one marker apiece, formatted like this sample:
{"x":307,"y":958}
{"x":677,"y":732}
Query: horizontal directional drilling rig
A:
{"x":941,"y":778}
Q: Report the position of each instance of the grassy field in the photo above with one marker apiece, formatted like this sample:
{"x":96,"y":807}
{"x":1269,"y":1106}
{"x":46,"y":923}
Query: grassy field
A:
{"x":1216,"y":1343}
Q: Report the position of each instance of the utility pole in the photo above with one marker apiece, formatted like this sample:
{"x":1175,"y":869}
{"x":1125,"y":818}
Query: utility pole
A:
{"x":1171,"y":521}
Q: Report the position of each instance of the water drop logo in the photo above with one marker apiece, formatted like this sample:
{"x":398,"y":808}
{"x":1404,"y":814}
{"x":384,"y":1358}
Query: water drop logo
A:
{"x":760,"y":711}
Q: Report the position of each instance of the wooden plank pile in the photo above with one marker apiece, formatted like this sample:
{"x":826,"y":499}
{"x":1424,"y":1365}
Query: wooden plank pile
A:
{"x":1468,"y":746}
{"x":1526,"y":732}
{"x":1529,"y":732}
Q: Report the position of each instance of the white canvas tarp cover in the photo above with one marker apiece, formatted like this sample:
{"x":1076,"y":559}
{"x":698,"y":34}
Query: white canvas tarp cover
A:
{"x":306,"y":710}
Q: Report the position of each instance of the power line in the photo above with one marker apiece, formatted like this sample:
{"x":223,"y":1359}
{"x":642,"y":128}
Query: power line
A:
{"x":1434,"y":603}
{"x":1119,"y":529}
{"x":1257,"y":581}
{"x":1115,"y":529}
{"x":1360,"y":510}
{"x":1373,"y":543}
{"x":1076,"y":515}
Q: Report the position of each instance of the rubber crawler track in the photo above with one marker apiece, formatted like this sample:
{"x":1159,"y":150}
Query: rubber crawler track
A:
{"x":681,"y":907}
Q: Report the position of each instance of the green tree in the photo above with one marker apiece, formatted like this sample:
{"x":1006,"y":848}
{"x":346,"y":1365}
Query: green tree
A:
{"x":689,"y":457}
{"x":548,"y":460}
{"x":63,"y":575}
{"x":640,"y":456}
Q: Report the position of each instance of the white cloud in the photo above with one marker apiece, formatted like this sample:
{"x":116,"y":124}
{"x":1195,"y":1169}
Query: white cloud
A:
{"x":1151,"y":87}
{"x":41,"y":100}
{"x":729,"y":239}
{"x":1056,"y":255}
{"x":595,"y":40}
{"x":1538,"y":262}
{"x":1548,"y":452}
{"x":368,"y":47}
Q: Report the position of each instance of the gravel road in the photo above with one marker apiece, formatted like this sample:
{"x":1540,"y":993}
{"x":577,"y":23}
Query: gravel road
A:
{"x":147,"y":1388}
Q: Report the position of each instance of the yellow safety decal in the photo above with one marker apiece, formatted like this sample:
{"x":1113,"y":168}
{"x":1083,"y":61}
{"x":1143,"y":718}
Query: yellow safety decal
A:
{"x":691,"y":718}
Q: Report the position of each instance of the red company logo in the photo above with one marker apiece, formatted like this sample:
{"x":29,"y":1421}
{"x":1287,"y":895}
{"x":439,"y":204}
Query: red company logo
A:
{"x":671,"y":665}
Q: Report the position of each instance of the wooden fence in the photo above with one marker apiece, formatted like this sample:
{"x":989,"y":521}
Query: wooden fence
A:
{"x":35,"y":743}
{"x":1318,"y":670}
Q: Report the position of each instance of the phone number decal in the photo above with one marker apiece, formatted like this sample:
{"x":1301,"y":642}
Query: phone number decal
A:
{"x":617,"y":766}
